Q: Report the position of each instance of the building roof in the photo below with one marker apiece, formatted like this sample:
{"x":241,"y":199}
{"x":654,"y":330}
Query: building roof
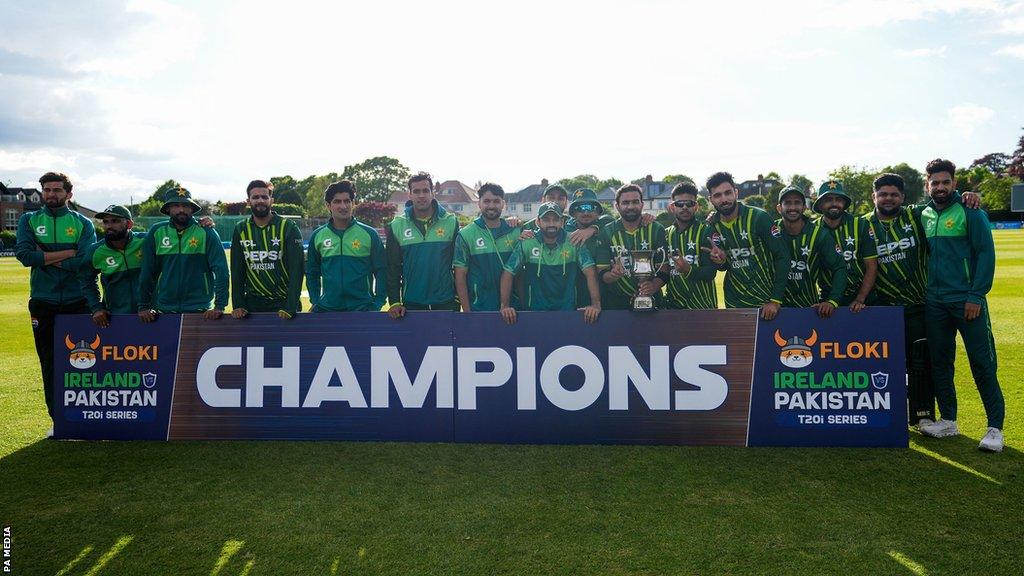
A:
{"x":532,"y":193}
{"x":447,"y":192}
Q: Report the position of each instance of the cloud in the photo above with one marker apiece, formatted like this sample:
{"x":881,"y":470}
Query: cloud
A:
{"x":965,"y":118}
{"x":923,"y":53}
{"x":1014,"y":50}
{"x":34,"y":159}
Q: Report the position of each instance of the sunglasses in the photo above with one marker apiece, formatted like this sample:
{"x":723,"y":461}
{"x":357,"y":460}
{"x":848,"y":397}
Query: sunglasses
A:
{"x":585,"y":208}
{"x":684,"y":203}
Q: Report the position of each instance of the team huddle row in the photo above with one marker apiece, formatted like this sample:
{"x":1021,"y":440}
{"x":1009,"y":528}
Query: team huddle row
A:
{"x":936,"y":260}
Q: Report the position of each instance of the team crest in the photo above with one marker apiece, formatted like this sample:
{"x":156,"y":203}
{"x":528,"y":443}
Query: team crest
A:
{"x":775,"y":230}
{"x":880,"y":380}
{"x":83,"y":355}
{"x":796,"y":352}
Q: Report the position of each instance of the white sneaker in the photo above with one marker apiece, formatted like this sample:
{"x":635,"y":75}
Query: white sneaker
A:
{"x":49,"y":433}
{"x":923,"y":422}
{"x":992,"y":442}
{"x":941,"y":429}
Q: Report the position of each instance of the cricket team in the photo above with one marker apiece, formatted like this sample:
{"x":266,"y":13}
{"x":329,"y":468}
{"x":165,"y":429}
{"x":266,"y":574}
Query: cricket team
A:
{"x":935,"y":259}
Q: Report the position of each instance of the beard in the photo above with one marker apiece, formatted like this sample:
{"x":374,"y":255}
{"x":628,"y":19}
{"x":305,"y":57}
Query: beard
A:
{"x":631,"y":215}
{"x":834,"y":213}
{"x":53,"y":203}
{"x":888,"y":212}
{"x":492,"y":214}
{"x":114,"y":236}
{"x":725,"y":207}
{"x":181,"y":219}
{"x":551,"y":231}
{"x":260,"y":211}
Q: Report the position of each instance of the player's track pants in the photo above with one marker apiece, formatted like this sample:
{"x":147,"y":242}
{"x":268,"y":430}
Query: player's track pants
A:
{"x":44,"y":316}
{"x":942,"y":322}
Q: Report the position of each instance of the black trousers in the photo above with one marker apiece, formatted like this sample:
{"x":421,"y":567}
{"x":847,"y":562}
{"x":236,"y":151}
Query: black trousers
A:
{"x":44,"y":316}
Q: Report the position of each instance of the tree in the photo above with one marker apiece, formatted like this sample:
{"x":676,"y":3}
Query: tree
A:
{"x":968,"y":179}
{"x":1016,"y":166}
{"x":377,"y":178}
{"x":995,"y":193}
{"x":802,"y":182}
{"x":995,"y":162}
{"x":676,"y":178}
{"x":857,"y":183}
{"x":580,"y":181}
{"x":773,"y":175}
{"x":913,"y":181}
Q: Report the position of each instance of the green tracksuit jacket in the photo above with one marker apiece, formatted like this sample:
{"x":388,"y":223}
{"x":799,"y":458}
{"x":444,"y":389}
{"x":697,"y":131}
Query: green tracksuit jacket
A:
{"x":346,"y":269}
{"x":183,"y":271}
{"x":483,"y":251}
{"x":47,"y":230}
{"x":962,"y":256}
{"x":118,"y":271}
{"x":420,"y":256}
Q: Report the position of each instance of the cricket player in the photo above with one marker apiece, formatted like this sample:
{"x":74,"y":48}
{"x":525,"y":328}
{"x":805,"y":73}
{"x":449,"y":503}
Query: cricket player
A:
{"x":748,"y":245}
{"x":266,"y":258}
{"x":961,"y":265}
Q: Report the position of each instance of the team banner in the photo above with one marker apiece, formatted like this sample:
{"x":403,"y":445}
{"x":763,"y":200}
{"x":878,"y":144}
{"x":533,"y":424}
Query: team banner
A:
{"x":702,"y":377}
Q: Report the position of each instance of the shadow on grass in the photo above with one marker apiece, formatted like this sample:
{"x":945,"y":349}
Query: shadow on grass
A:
{"x":304,"y":507}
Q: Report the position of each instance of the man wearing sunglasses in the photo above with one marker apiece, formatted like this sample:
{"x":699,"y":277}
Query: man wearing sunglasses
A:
{"x":585,"y":213}
{"x":691,"y":284}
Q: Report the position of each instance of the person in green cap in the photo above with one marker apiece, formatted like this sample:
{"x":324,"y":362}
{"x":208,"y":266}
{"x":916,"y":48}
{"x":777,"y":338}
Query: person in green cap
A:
{"x":266,"y":258}
{"x":347,"y":267}
{"x":691,"y":284}
{"x":481,"y":250}
{"x":855,"y":240}
{"x":183,"y":264}
{"x":420,"y":247}
{"x":748,"y":246}
{"x":813,"y":253}
{"x":51,"y":241}
{"x":550,"y":266}
{"x":116,"y":260}
{"x":586,"y":213}
{"x":622,"y":237}
{"x":961,"y":266}
{"x":578,"y":235}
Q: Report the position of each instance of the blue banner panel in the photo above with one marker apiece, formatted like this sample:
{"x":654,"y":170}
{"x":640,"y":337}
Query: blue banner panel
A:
{"x":671,"y":377}
{"x":338,"y":376}
{"x":834,"y":382}
{"x":718,"y":377}
{"x":116,"y":382}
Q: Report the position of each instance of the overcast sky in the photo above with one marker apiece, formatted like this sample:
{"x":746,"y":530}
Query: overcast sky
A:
{"x":123,"y":95}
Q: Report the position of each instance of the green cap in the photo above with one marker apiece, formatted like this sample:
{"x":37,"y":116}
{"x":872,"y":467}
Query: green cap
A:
{"x":555,"y":187}
{"x":179,"y":195}
{"x":582,"y":197}
{"x":116,"y":211}
{"x":791,"y":190}
{"x":830,"y":188}
{"x":549,"y":207}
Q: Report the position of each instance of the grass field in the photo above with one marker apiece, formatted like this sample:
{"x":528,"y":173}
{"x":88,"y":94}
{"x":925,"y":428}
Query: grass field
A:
{"x":219,"y":508}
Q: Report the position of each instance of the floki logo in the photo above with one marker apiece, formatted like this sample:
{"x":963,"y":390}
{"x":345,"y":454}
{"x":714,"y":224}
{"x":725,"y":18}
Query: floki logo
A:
{"x":796,"y":352}
{"x":83,"y":356}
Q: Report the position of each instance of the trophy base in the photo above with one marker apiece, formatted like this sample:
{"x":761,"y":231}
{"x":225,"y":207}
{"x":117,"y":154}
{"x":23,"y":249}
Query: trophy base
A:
{"x":643,"y":304}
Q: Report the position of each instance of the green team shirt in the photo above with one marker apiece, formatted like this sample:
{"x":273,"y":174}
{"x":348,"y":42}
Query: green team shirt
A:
{"x":757,"y":264}
{"x":619,"y":242}
{"x":118,"y":271}
{"x":695,"y":290}
{"x":346,"y":269}
{"x":813,"y":253}
{"x":266,"y":265}
{"x":857,"y":243}
{"x":483,"y":252}
{"x":549,"y":273}
{"x":902,"y":257}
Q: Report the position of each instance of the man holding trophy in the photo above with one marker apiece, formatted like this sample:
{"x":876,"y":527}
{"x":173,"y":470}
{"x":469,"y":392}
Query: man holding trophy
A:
{"x":634,"y":255}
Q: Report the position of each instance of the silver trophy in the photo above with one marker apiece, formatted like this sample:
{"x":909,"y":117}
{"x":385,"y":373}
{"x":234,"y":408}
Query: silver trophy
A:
{"x":642,"y":266}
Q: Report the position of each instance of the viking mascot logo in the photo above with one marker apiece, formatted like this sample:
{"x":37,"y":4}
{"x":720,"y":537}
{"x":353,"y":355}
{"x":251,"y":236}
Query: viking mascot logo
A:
{"x":796,"y":352}
{"x":83,"y":356}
